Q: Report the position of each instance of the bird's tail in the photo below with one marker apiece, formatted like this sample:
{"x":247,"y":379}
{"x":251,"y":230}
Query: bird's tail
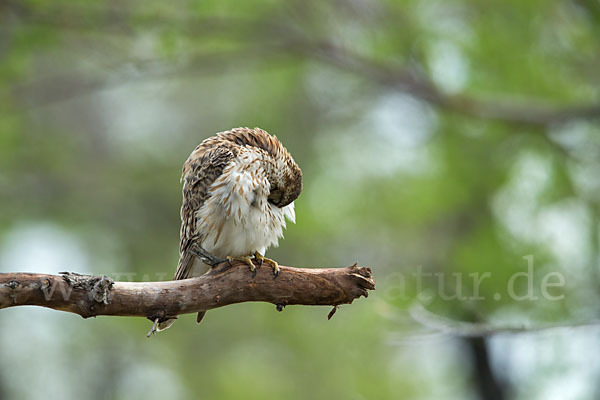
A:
{"x":186,"y":269}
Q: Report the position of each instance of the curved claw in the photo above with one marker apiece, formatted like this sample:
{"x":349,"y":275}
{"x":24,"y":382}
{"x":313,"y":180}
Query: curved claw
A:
{"x":273,"y":263}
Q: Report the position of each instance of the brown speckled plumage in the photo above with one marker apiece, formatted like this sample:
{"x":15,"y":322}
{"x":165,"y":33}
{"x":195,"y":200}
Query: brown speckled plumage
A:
{"x":237,"y":188}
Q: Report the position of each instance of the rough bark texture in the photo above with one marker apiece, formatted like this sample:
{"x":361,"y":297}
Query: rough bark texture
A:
{"x":89,"y":296}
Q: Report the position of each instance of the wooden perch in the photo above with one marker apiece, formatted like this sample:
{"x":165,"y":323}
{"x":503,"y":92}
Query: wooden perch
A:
{"x":90,"y":296}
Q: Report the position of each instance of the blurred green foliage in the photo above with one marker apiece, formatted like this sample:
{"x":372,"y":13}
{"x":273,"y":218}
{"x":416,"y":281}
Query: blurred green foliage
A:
{"x":447,"y":137}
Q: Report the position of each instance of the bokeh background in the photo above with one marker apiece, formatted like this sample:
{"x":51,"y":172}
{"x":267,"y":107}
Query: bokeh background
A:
{"x":436,"y":137}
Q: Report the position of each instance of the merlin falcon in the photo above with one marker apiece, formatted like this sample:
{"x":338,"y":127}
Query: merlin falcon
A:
{"x":239,"y":188}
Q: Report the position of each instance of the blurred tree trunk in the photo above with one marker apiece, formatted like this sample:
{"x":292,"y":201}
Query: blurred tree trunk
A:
{"x":3,"y":392}
{"x":487,"y":385}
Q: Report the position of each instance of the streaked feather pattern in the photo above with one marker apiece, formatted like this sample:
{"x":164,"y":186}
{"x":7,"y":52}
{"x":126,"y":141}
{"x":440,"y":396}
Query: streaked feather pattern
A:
{"x":239,"y":187}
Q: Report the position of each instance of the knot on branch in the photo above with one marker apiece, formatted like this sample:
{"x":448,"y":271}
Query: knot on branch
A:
{"x":98,"y":287}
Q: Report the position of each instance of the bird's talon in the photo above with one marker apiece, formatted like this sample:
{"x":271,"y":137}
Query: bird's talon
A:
{"x":246,"y":260}
{"x":273,"y":263}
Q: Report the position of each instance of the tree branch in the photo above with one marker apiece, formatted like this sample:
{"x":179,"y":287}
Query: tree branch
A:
{"x":90,"y":296}
{"x":444,"y":325}
{"x":414,"y":82}
{"x":410,"y":79}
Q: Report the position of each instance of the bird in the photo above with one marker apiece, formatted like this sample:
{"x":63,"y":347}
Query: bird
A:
{"x":239,"y":188}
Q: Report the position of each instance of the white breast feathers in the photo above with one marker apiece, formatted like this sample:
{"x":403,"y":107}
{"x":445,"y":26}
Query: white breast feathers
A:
{"x":236,"y":218}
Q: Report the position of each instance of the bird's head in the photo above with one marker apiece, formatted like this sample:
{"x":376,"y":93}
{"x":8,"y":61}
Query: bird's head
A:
{"x":283,"y":174}
{"x":285,"y":181}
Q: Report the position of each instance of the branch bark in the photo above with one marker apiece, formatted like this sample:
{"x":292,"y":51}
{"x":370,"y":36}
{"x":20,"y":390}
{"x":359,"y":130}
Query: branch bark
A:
{"x":90,"y":296}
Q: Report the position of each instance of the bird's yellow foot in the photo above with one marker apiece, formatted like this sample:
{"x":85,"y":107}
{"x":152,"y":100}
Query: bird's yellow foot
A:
{"x":262,"y":259}
{"x":245,"y":260}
